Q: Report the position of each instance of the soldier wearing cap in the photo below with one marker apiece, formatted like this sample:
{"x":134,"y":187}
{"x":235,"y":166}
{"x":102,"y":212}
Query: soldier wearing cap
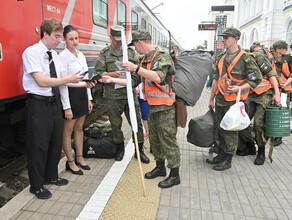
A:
{"x":282,"y":65}
{"x":157,"y":73}
{"x":116,"y":97}
{"x":259,"y":99}
{"x":235,"y":70}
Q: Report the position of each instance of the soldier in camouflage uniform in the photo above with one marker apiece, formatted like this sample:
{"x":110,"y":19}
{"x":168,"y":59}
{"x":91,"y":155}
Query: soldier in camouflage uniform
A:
{"x":258,"y":100}
{"x":117,"y":102}
{"x":235,"y":69}
{"x":157,"y":72}
{"x":282,"y":64}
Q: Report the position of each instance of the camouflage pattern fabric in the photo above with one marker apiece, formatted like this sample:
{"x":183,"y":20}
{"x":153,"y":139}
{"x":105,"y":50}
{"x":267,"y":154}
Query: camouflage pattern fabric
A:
{"x":162,"y":118}
{"x":245,"y":68}
{"x":117,"y":103}
{"x":106,"y":63}
{"x":257,"y":105}
{"x":162,"y":136}
{"x":115,"y":110}
{"x":228,"y":139}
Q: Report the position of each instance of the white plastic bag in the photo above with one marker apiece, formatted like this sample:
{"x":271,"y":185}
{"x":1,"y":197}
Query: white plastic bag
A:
{"x":236,"y":118}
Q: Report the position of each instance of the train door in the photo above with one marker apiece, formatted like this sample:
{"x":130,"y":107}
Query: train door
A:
{"x":19,"y":28}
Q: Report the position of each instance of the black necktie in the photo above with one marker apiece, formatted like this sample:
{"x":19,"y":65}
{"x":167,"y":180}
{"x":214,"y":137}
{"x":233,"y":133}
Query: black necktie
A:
{"x":53,"y":73}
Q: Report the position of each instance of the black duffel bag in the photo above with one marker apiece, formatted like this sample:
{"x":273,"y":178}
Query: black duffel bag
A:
{"x":101,"y":147}
{"x":202,"y":130}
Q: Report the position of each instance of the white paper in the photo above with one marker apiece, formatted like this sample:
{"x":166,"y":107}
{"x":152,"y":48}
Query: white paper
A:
{"x":284,"y":99}
{"x":130,"y":97}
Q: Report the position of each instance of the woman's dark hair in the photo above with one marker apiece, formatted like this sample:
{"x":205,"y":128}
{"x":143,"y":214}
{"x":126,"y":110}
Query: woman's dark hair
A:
{"x":67,"y":29}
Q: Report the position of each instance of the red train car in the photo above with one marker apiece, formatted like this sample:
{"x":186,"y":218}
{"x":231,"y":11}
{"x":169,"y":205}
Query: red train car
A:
{"x":19,"y":28}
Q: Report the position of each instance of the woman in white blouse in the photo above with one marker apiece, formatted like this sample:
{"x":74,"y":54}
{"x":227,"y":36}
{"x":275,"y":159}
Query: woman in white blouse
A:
{"x":77,"y":103}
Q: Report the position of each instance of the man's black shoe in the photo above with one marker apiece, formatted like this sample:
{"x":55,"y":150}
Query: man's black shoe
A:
{"x":41,"y":193}
{"x":169,"y":182}
{"x":120,"y":151}
{"x":143,"y":157}
{"x":225,"y":164}
{"x":159,"y":170}
{"x":217,"y":159}
{"x":172,"y":180}
{"x":277,"y":141}
{"x":58,"y":182}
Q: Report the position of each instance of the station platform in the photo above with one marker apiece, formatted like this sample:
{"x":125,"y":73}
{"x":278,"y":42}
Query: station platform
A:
{"x":113,"y":190}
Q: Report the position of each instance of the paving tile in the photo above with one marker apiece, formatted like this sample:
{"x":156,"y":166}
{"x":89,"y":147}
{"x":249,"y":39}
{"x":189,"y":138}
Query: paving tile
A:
{"x":173,"y":213}
{"x":55,"y":208}
{"x":24,"y":215}
{"x":184,"y":214}
{"x":163,"y":212}
{"x":47,"y":217}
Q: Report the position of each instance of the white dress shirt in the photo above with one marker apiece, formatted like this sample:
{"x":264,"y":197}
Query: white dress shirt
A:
{"x":73,"y":64}
{"x":36,"y":59}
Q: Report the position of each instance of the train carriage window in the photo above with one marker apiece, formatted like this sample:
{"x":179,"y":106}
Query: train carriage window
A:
{"x":121,"y":15}
{"x":143,"y":24}
{"x":100,"y":9}
{"x":134,"y":21}
{"x":154,"y":36}
{"x":150,"y":29}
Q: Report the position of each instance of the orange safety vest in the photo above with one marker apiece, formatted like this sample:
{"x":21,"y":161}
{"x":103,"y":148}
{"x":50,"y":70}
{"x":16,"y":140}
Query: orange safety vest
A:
{"x":284,"y":75}
{"x":222,"y":85}
{"x":155,"y":93}
{"x":264,"y":86}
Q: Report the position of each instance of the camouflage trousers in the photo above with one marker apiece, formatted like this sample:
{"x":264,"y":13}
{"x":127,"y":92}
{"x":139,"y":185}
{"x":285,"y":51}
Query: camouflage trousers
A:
{"x":162,"y":137}
{"x":228,"y":139}
{"x":116,"y":107}
{"x":256,"y":110}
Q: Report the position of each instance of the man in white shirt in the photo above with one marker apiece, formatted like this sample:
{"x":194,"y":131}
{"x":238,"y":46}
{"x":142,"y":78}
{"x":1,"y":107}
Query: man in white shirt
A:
{"x":43,"y":74}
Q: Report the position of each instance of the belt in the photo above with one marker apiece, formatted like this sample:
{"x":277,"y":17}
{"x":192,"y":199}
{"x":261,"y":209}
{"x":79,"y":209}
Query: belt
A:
{"x":43,"y":98}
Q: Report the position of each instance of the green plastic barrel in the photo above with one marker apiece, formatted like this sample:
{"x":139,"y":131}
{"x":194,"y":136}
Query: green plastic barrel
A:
{"x":277,"y":122}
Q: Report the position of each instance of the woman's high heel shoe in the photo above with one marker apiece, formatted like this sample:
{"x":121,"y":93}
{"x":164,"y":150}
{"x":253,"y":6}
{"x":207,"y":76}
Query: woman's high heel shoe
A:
{"x":84,"y":167}
{"x":68,"y":168}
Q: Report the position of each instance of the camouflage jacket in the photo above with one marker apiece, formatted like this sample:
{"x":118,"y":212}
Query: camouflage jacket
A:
{"x":163,"y":65}
{"x":285,"y":58}
{"x":106,"y":63}
{"x":245,"y":69}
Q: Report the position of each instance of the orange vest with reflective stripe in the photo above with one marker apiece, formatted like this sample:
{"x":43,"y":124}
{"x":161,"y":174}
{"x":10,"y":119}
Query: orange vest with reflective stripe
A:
{"x":153,"y":92}
{"x":222,"y":85}
{"x":264,"y":86}
{"x":284,"y":75}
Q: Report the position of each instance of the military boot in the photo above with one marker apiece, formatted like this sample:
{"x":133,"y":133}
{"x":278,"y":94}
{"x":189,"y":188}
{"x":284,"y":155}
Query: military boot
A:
{"x":249,"y":150}
{"x":260,"y":160}
{"x":172,"y":180}
{"x":143,"y":157}
{"x":216,"y":159}
{"x":277,"y":141}
{"x":225,"y":164}
{"x":159,"y":170}
{"x":120,"y":151}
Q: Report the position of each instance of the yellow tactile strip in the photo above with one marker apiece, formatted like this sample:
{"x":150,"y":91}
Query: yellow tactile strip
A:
{"x":128,"y":201}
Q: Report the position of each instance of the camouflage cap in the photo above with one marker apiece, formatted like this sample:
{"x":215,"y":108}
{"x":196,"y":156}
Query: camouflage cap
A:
{"x":140,"y":35}
{"x":116,"y":32}
{"x":280,"y":44}
{"x":254,"y":45}
{"x":231,"y":32}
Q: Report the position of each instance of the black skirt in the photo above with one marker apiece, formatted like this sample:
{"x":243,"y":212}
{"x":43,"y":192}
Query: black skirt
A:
{"x":78,"y":101}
